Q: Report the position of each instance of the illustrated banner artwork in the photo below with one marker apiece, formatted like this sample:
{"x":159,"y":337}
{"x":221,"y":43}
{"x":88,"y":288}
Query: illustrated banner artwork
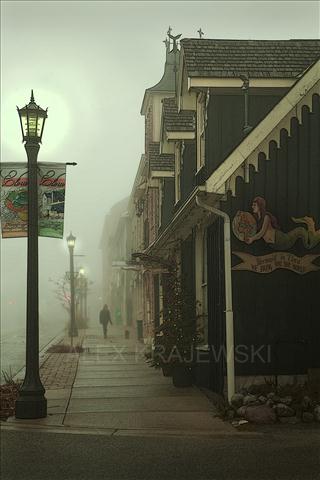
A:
{"x":14,"y":199}
{"x":272,"y":261}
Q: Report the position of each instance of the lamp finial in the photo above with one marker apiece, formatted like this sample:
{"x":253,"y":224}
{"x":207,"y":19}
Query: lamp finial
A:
{"x":32,"y":97}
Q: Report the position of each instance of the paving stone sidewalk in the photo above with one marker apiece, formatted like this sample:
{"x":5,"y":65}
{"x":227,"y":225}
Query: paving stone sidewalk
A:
{"x":110,"y":389}
{"x":59,"y":370}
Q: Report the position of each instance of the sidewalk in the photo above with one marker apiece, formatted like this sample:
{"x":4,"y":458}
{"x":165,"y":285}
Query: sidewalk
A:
{"x":110,"y":389}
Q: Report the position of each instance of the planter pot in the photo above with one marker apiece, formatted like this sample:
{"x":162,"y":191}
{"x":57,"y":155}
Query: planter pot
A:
{"x":181,"y":376}
{"x":167,"y":370}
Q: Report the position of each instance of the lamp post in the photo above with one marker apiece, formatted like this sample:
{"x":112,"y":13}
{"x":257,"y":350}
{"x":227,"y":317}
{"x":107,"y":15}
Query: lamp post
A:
{"x":81,"y":293}
{"x":86,"y":300}
{"x":31,"y":402}
{"x":84,"y":294}
{"x":73,"y":327}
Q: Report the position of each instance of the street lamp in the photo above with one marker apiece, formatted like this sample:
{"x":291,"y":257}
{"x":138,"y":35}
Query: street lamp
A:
{"x":81,"y":293}
{"x":31,"y":402}
{"x":73,"y":327}
{"x":83,"y":287}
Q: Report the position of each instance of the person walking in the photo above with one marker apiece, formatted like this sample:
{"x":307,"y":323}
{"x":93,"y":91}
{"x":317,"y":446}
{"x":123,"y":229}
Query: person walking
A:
{"x":105,"y":318}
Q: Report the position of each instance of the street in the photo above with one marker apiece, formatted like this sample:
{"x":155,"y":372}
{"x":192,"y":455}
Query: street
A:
{"x":291,"y":454}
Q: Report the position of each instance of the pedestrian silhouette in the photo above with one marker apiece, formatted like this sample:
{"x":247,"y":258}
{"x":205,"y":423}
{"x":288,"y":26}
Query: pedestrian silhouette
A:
{"x":105,"y":318}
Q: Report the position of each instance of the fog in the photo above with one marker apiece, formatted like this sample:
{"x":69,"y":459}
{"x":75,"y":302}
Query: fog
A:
{"x":90,"y":63}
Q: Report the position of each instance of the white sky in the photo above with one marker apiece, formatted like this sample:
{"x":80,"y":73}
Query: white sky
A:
{"x":89,"y":62}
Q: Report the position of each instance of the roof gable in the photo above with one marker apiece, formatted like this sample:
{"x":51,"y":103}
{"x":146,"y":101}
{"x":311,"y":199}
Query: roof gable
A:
{"x":174,"y":121}
{"x":255,"y":58}
{"x":160,"y":162}
{"x":223,"y":178}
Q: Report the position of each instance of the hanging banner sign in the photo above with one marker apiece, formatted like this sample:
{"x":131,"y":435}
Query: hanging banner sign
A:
{"x":269,"y":263}
{"x":14,"y":199}
{"x":51,"y":190}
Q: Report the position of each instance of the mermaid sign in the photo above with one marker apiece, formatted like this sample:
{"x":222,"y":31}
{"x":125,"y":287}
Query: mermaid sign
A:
{"x":261,"y":224}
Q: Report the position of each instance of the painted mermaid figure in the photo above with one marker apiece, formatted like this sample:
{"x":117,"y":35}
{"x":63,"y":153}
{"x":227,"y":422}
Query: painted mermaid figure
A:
{"x":268,"y":229}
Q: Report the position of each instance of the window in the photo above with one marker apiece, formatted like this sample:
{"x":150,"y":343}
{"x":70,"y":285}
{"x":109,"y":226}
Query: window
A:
{"x":178,"y":152}
{"x":205,"y":285}
{"x":202,"y":104}
{"x":160,"y":202}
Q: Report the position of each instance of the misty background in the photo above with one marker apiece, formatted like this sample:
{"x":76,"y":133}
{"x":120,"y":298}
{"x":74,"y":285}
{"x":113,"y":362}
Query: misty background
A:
{"x":90,"y":62}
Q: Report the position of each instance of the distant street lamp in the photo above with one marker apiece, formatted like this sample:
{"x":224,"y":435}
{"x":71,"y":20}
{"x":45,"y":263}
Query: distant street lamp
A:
{"x":73,"y":327}
{"x":81,"y":293}
{"x":31,"y":402}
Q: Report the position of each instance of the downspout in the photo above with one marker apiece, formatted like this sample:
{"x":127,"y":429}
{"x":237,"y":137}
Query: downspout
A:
{"x":228,"y":294}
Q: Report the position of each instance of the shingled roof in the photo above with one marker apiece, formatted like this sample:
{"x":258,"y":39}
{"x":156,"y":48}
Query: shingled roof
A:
{"x":257,"y":58}
{"x":184,"y":121}
{"x":157,"y":161}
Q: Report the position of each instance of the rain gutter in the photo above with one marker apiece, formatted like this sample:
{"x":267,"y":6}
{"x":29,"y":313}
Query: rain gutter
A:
{"x":228,"y":295}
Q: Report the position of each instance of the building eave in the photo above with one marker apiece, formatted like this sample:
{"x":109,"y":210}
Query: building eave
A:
{"x":186,"y":217}
{"x":162,"y":173}
{"x":179,"y":135}
{"x":236,"y":82}
{"x":246,"y":153}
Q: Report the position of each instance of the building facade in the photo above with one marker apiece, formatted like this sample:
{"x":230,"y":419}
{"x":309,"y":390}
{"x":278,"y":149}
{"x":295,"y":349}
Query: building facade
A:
{"x":231,"y":191}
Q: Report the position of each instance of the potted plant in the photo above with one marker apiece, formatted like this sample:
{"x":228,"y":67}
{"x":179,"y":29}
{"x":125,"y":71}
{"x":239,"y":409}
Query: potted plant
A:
{"x":179,"y":329}
{"x":161,"y":353}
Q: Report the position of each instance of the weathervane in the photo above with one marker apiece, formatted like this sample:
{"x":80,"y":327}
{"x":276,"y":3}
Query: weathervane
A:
{"x":200,"y":33}
{"x":167,"y":44}
{"x":174,"y":38}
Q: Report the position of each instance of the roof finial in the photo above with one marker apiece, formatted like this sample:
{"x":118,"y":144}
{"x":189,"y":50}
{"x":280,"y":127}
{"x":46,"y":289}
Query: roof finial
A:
{"x":32,"y":97}
{"x":167,"y":44}
{"x":200,"y":33}
{"x":174,"y":39}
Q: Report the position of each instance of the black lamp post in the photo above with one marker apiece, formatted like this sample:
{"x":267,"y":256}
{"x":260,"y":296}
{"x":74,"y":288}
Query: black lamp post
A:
{"x":81,"y":292}
{"x":31,"y":402}
{"x":73,"y":327}
{"x":84,"y":281}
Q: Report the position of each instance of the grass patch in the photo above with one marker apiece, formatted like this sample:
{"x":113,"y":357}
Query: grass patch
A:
{"x":9,"y":392}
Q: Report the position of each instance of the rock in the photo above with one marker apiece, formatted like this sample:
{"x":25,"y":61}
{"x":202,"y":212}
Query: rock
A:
{"x":274,"y":397}
{"x":241,"y":411}
{"x":306,"y":403}
{"x":316,"y":413}
{"x":237,"y":400}
{"x":242,"y":422}
{"x":243,"y":391}
{"x":260,"y":414}
{"x":283,"y":410}
{"x":262,"y":399}
{"x":269,"y":402}
{"x":238,"y":423}
{"x":230,"y":414}
{"x":290,"y":420}
{"x":249,"y":399}
{"x":286,"y":400}
{"x":307,"y":417}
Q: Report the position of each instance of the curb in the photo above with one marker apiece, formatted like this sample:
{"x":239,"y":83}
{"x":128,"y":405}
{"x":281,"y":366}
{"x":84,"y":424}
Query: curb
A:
{"x":112,"y":432}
